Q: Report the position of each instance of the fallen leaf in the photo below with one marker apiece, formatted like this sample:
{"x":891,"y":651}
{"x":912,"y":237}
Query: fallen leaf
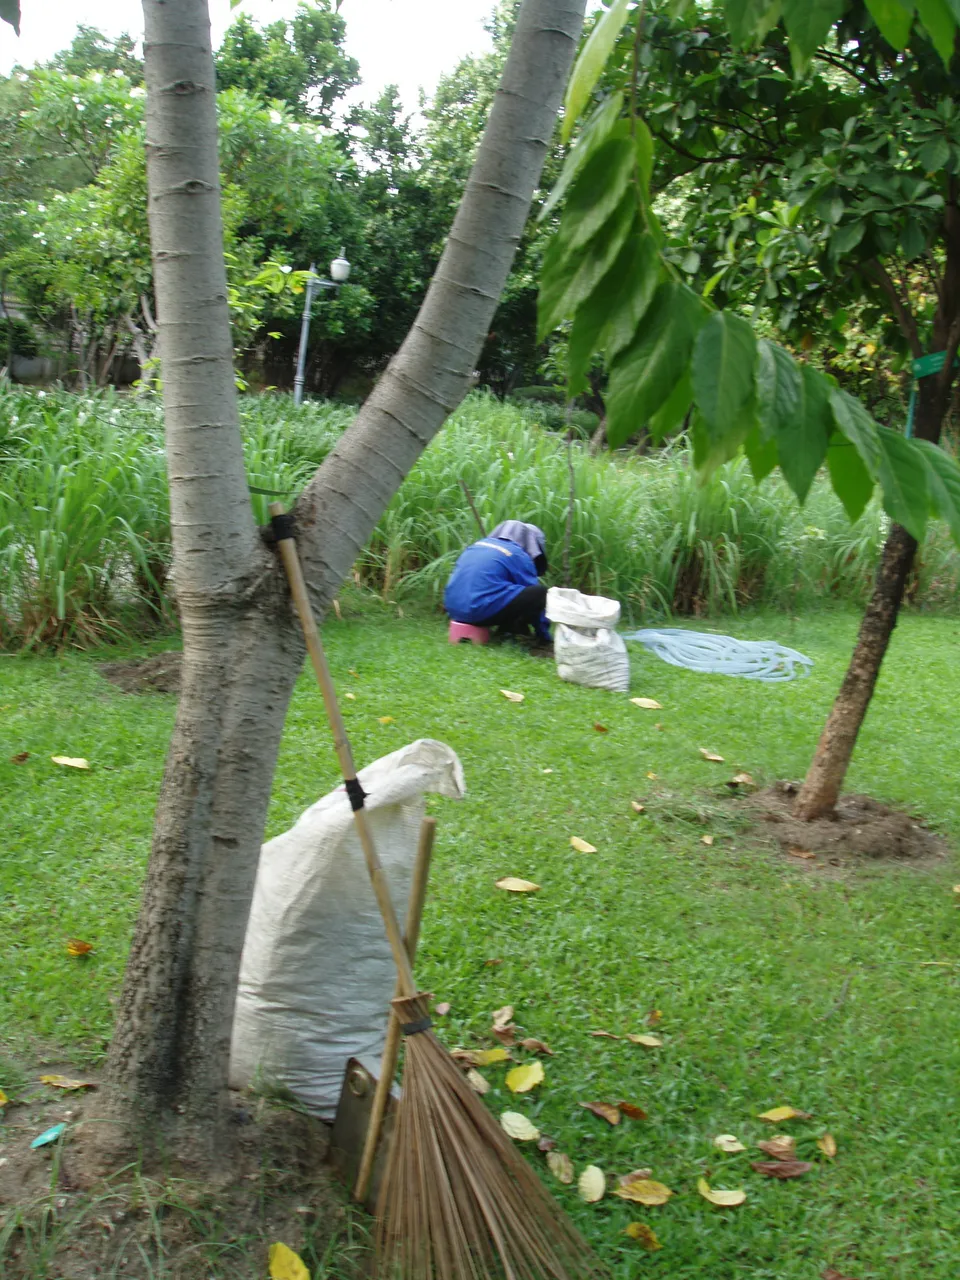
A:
{"x":600,"y":728}
{"x":632,"y":1111}
{"x":518,"y":1127}
{"x":653,"y":1017}
{"x":502,"y":1017}
{"x":285,"y":1264}
{"x":3,"y":1099}
{"x":337,"y":610}
{"x":591,"y":1184}
{"x":20,"y":757}
{"x":477,"y":1081}
{"x":711,"y":755}
{"x":351,"y":696}
{"x":832,"y":1273}
{"x":707,"y":840}
{"x":523,"y":1079}
{"x":647,"y":704}
{"x":782,"y":1146}
{"x":513,"y":884}
{"x":828,"y":1145}
{"x":652,"y":776}
{"x":546,"y":1143}
{"x":648,"y":1042}
{"x":386,"y":719}
{"x":48,"y":1136}
{"x":644,"y":1191}
{"x":506,"y":1035}
{"x":741,"y":780}
{"x":956,"y":887}
{"x":354,"y":672}
{"x":71,"y":762}
{"x":442,"y":1009}
{"x":511,"y":696}
{"x":776,"y":1114}
{"x":487,"y":1057}
{"x":637,"y":807}
{"x":488,"y":964}
{"x":659,"y":726}
{"x":535,"y":1046}
{"x":605,"y":1110}
{"x":782,"y":1168}
{"x":727,"y":1142}
{"x":77,"y":947}
{"x":546,"y":771}
{"x":561,"y":1166}
{"x":643,"y":1235}
{"x":582,"y":846}
{"x":724,"y":1199}
{"x":604,"y":1035}
{"x":801,"y":853}
{"x":638,"y":1175}
{"x":64,"y":1082}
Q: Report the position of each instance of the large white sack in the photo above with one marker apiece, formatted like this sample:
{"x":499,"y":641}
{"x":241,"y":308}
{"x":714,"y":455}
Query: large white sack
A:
{"x":595,"y":658}
{"x":574,"y":609}
{"x":317,"y":976}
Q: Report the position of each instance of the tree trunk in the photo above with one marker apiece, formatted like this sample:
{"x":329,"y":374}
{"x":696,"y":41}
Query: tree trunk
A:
{"x":168,"y":1061}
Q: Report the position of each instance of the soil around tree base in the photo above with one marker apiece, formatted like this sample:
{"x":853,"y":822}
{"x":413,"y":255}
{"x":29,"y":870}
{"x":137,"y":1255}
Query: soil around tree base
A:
{"x":160,"y":674}
{"x":860,"y":827}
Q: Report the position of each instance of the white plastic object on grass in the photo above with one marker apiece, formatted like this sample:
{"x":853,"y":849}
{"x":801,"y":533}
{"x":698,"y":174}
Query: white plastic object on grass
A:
{"x":598,"y":659}
{"x":723,"y":655}
{"x":574,"y":609}
{"x":317,"y":975}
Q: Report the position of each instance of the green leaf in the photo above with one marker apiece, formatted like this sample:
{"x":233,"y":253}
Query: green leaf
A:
{"x":792,"y":405}
{"x":903,"y":479}
{"x":594,"y":133}
{"x":673,"y":411}
{"x":940,"y":25}
{"x":723,"y":372}
{"x":779,"y":389}
{"x":912,"y":240}
{"x":847,"y":237}
{"x":852,"y":482}
{"x":645,"y":373}
{"x":894,"y":18}
{"x":10,"y":12}
{"x":853,"y":422}
{"x":590,"y":63}
{"x":597,"y":191}
{"x":808,"y":23}
{"x":644,"y":148}
{"x":566,"y":278}
{"x":943,"y":483}
{"x":608,"y":319}
{"x":761,"y":454}
{"x":934,"y":154}
{"x":748,"y":21}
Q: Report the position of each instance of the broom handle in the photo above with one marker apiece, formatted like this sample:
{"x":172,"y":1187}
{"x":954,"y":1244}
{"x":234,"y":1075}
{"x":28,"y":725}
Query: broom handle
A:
{"x":391,"y":1048}
{"x":298,"y":589}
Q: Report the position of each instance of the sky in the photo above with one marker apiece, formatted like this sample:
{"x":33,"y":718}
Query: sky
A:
{"x":405,"y":42}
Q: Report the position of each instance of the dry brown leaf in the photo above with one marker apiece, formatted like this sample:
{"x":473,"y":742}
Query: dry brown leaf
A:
{"x":337,"y":610}
{"x":524,"y":1078}
{"x":20,"y":757}
{"x":442,"y":1009}
{"x":489,"y":964}
{"x":728,"y":1142}
{"x":546,"y":1143}
{"x":605,"y":1110}
{"x":648,"y":1042}
{"x":77,"y":947}
{"x":477,"y":1081}
{"x":71,"y":762}
{"x":4,"y":1100}
{"x":638,"y":1175}
{"x":777,"y":1114}
{"x":643,"y":1235}
{"x":511,"y":696}
{"x":832,"y":1273}
{"x":506,"y":1035}
{"x":801,"y":853}
{"x":647,"y":704}
{"x":518,"y":1127}
{"x":513,"y":884}
{"x":828,"y":1145}
{"x":561,"y":1166}
{"x":632,"y":1111}
{"x":591,"y":1184}
{"x":637,"y":807}
{"x":711,"y":755}
{"x":707,"y":840}
{"x":782,"y":1168}
{"x":659,"y":726}
{"x":723,"y":1199}
{"x":644,"y":1191}
{"x":582,"y":846}
{"x":385,"y":719}
{"x":502,"y":1017}
{"x":782,"y":1146}
{"x":604,"y":1035}
{"x":65,"y":1082}
{"x":535,"y":1046}
{"x":741,"y":780}
{"x":600,"y":728}
{"x":653,"y":1017}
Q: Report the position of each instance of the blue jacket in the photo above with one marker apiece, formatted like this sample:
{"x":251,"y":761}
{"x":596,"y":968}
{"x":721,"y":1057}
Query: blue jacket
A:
{"x":486,"y":577}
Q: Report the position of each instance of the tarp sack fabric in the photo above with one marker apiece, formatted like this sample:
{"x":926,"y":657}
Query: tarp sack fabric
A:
{"x":316,"y":975}
{"x":587,"y":649}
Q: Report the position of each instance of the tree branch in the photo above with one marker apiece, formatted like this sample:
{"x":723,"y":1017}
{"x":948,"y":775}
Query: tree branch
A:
{"x":875,"y":271}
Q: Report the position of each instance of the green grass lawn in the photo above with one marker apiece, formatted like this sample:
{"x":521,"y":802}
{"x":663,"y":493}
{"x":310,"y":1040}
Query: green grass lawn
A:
{"x":777,"y":984}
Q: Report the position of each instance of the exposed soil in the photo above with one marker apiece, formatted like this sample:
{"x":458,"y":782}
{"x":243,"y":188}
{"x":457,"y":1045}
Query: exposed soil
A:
{"x":861,"y":828}
{"x":160,"y":674}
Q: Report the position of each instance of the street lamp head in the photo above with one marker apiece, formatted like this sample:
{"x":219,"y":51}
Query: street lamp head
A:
{"x":339,"y":269}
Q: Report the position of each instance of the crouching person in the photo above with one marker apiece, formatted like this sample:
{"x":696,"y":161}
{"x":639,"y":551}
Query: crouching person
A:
{"x":495,"y":582}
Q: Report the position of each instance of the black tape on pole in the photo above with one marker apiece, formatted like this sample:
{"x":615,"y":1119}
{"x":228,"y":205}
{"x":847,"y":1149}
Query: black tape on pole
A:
{"x":355,"y":793}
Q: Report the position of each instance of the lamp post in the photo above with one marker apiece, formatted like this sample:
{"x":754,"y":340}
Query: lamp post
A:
{"x":339,"y":273}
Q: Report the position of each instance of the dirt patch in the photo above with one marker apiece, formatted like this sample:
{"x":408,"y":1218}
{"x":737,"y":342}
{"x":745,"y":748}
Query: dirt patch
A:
{"x":160,"y":674}
{"x":860,"y":828}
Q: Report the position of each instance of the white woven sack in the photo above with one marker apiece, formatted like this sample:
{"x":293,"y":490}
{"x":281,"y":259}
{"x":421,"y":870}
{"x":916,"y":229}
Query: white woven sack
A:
{"x":595,"y":658}
{"x":317,"y":976}
{"x":575,"y":609}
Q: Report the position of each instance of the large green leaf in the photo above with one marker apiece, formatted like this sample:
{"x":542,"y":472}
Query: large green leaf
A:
{"x":590,"y":63}
{"x":852,"y":482}
{"x":761,"y":454}
{"x":943,"y":483}
{"x":644,"y":152}
{"x":749,"y":20}
{"x":779,"y":389}
{"x":608,"y":319}
{"x":894,"y":18}
{"x":567,"y":278}
{"x":792,"y":407}
{"x":598,"y":128}
{"x":853,"y":421}
{"x":808,"y":23}
{"x":10,"y":12}
{"x":903,"y":479}
{"x":941,"y":25}
{"x":672,"y":412}
{"x":598,"y":190}
{"x":724,"y":359}
{"x":646,"y":372}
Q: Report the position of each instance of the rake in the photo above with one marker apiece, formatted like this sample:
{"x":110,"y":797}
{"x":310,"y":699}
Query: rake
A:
{"x":457,"y":1201}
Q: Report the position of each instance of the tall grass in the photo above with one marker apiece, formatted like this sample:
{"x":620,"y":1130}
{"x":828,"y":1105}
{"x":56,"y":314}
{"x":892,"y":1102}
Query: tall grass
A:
{"x":84,"y":525}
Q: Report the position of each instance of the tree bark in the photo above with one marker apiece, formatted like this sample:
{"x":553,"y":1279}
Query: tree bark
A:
{"x":167,"y":1066}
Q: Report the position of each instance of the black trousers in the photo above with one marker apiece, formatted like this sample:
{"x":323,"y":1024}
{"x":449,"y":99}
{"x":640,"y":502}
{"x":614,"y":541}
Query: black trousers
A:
{"x":522,"y":614}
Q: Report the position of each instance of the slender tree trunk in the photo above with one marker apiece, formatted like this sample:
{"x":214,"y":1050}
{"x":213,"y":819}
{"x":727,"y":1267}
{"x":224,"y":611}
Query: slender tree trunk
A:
{"x":167,"y":1066}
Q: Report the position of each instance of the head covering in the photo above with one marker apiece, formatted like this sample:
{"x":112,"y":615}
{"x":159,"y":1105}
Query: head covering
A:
{"x":527,"y":536}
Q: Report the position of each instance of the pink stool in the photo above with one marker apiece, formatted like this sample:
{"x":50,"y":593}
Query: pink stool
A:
{"x":465,"y":631}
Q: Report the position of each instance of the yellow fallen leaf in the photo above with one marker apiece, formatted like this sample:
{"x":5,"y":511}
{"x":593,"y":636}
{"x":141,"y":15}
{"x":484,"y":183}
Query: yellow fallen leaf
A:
{"x":724,"y":1199}
{"x":711,"y":755}
{"x":727,"y":1142}
{"x":64,"y":1082}
{"x":741,"y":780}
{"x":654,"y":1016}
{"x":605,"y":1110}
{"x":523,"y":1079}
{"x":546,"y":771}
{"x":782,"y":1146}
{"x":351,"y":696}
{"x":707,"y":840}
{"x":828,"y":1145}
{"x":3,"y":1099}
{"x":477,"y":1082}
{"x":644,"y":1235}
{"x":487,"y":1057}
{"x":582,"y":846}
{"x":560,"y":1166}
{"x":354,"y":672}
{"x":637,"y":807}
{"x":956,"y":888}
{"x":77,"y":947}
{"x":591,"y":1184}
{"x":285,"y":1264}
{"x":511,"y":696}
{"x":71,"y":762}
{"x":777,"y":1114}
{"x":513,"y":884}
{"x":648,"y":1042}
{"x":518,"y":1127}
{"x":647,"y":704}
{"x":638,"y":1175}
{"x":644,"y":1191}
{"x":503,"y":1017}
{"x":386,"y":719}
{"x":652,"y":776}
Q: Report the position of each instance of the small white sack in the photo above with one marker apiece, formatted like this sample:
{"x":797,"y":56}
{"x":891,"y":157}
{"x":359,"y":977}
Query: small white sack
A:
{"x":574,"y":609}
{"x":316,"y":975}
{"x":595,"y":658}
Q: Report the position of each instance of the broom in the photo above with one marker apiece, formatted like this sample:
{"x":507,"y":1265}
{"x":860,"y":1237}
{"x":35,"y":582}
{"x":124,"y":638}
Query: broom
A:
{"x":457,"y":1201}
